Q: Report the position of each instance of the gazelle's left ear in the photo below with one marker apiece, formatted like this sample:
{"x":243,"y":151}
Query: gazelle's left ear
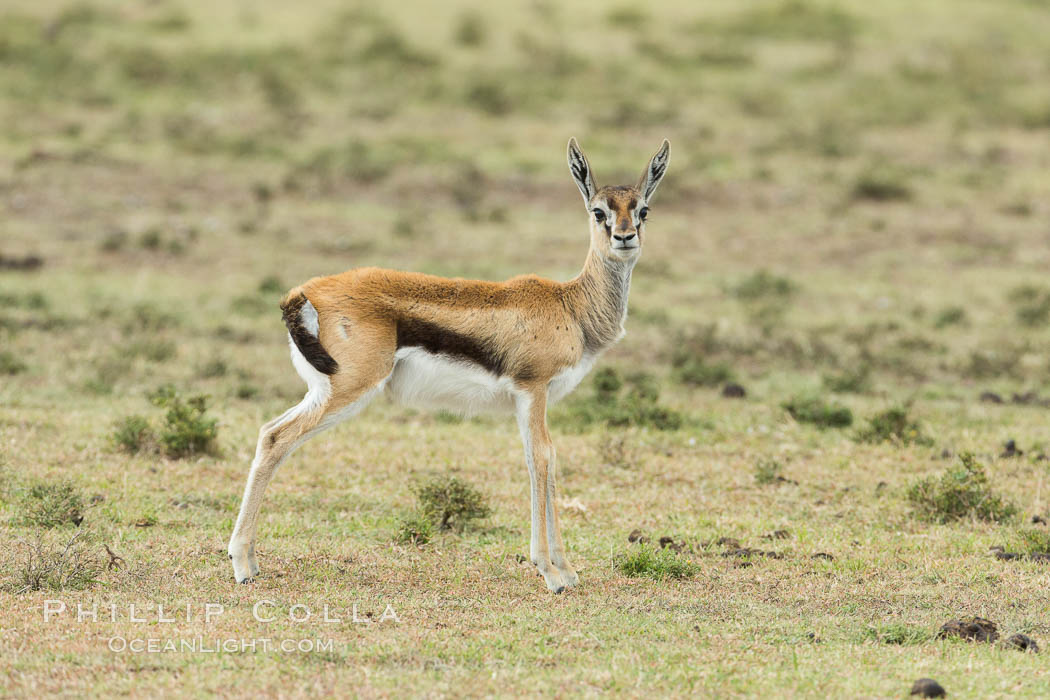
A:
{"x":654,"y":172}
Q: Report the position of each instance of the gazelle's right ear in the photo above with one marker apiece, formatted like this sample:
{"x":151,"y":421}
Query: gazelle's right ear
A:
{"x":581,"y":172}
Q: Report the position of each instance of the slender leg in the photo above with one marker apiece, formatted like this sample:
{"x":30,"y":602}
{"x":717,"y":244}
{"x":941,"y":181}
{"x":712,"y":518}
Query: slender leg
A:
{"x":328,"y":401}
{"x":554,"y":541}
{"x":277,"y":440}
{"x":532,"y":410}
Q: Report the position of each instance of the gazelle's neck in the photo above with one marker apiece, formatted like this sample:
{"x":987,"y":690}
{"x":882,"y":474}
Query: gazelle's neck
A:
{"x":598,"y":298}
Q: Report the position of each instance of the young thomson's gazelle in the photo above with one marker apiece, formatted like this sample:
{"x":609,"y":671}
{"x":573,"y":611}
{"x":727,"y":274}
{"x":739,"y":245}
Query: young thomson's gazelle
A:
{"x":466,"y":345}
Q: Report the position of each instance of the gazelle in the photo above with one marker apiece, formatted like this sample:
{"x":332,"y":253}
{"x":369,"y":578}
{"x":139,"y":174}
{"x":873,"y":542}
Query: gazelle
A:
{"x":465,"y":345}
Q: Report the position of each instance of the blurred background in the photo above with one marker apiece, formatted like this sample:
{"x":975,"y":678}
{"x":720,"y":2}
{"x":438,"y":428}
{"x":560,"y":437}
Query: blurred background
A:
{"x":849,"y":181}
{"x":844,"y":284}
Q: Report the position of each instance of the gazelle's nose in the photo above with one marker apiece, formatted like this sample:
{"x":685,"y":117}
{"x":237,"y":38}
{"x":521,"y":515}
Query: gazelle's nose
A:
{"x":624,"y":237}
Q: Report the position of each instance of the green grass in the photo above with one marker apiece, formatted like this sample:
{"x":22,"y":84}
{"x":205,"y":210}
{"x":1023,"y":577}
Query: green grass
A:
{"x":855,"y":209}
{"x":894,"y":424}
{"x":816,"y":411}
{"x":658,"y":564}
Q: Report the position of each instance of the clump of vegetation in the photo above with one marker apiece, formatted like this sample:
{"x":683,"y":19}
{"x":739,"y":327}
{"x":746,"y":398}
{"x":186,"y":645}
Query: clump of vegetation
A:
{"x":950,"y":316}
{"x":881,"y":185}
{"x":271,"y":284}
{"x":215,"y":367}
{"x":898,"y":633}
{"x":816,"y":411}
{"x":764,"y":285}
{"x":10,"y":364}
{"x":153,"y":349}
{"x":444,"y":503}
{"x":894,"y":424}
{"x":790,"y":19}
{"x":52,"y":504}
{"x":658,"y":564}
{"x":853,"y":380}
{"x":692,"y":370}
{"x":187,"y":429}
{"x":470,"y":30}
{"x":627,"y":16}
{"x":1032,"y":305}
{"x":621,"y":402}
{"x":133,"y":434}
{"x":991,"y":363}
{"x":1032,"y":541}
{"x":961,"y":492}
{"x":53,"y":566}
{"x":415,"y":528}
{"x":489,"y":96}
{"x":769,"y":471}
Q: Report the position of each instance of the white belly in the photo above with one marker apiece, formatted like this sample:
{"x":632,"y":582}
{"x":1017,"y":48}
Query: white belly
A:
{"x":426,"y":380}
{"x":569,"y":378}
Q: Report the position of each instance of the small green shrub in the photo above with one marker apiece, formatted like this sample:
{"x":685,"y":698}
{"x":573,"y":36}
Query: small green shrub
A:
{"x":764,"y":285}
{"x":133,"y":434}
{"x":187,"y":429}
{"x":215,"y":367}
{"x":993,"y":363}
{"x":620,"y":402}
{"x":10,"y":364}
{"x":959,"y":493}
{"x":627,"y":16}
{"x":881,"y":185}
{"x":450,"y":503}
{"x":1032,"y":541}
{"x":271,"y":284}
{"x":658,"y":564}
{"x":52,"y":504}
{"x":950,"y":316}
{"x":50,"y":565}
{"x":490,"y":97}
{"x":1032,"y":305}
{"x":896,"y":425}
{"x":153,"y":349}
{"x":416,"y":528}
{"x":898,"y":633}
{"x":768,"y":471}
{"x":248,"y":305}
{"x":691,"y":370}
{"x":470,"y":30}
{"x":823,"y":414}
{"x":853,"y":380}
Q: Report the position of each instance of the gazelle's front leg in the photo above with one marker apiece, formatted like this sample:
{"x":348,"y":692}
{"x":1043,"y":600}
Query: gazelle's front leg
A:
{"x":554,"y":541}
{"x":532,"y":422}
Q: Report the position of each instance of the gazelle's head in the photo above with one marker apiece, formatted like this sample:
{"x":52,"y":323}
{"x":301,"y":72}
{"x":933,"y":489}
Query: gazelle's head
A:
{"x":618,"y":213}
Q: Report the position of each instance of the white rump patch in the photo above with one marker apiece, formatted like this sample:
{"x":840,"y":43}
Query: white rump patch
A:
{"x":428,"y":380}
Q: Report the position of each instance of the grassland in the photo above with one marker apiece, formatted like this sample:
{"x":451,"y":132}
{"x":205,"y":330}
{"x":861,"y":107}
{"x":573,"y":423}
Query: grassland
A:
{"x":855,"y":214}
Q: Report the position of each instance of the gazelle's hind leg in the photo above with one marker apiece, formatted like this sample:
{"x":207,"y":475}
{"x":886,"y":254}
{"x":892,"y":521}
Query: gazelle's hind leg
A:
{"x":328,"y":400}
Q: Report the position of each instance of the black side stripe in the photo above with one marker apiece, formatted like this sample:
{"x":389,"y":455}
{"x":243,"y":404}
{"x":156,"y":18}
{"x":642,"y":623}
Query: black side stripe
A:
{"x":414,"y":332}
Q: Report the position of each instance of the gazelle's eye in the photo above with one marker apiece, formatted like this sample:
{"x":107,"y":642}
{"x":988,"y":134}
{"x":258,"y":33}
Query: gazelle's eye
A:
{"x":643,"y":212}
{"x":599,"y":215}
